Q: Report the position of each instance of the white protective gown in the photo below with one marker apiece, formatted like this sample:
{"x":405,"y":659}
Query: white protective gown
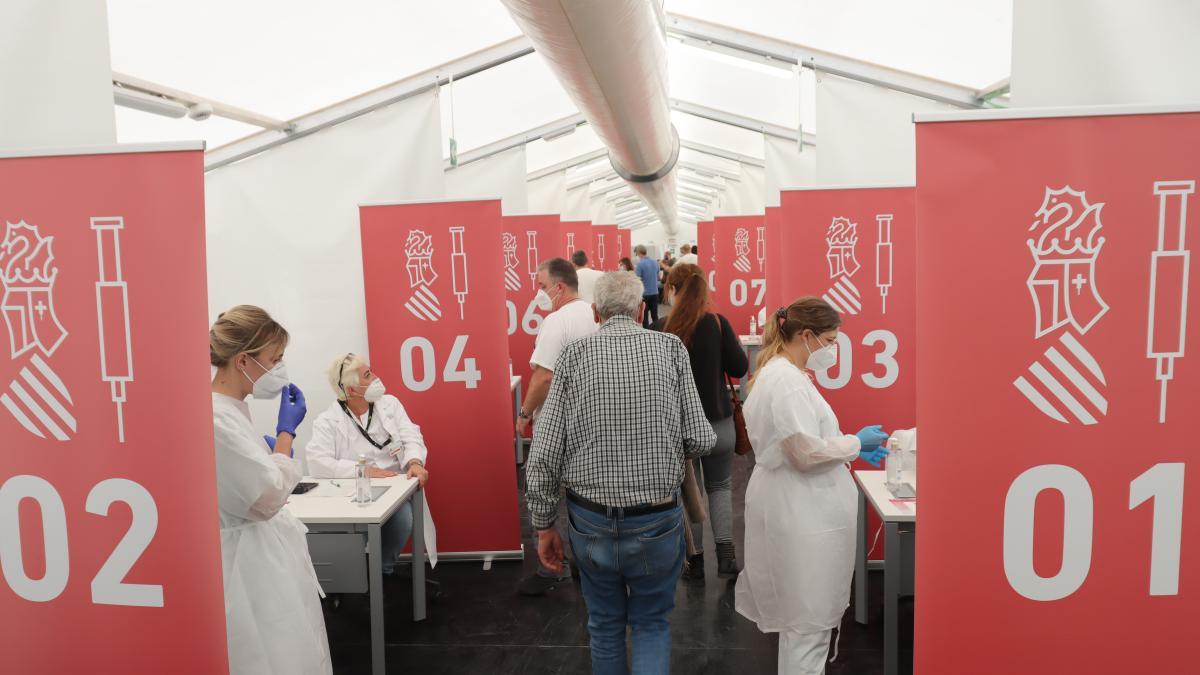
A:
{"x":801,"y":507}
{"x":273,"y":614}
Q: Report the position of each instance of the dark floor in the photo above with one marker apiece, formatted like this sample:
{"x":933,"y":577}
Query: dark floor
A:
{"x":481,"y":625}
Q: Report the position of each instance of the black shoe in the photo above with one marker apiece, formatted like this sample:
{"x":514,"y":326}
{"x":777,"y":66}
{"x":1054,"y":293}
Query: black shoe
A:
{"x":536,"y":585}
{"x":693,"y":569}
{"x":726,"y":560}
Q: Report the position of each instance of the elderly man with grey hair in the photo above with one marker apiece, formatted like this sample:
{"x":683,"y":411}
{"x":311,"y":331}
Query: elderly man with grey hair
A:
{"x":619,"y":452}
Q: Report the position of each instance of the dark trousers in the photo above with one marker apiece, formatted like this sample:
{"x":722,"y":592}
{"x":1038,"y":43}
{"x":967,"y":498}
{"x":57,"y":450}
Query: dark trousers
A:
{"x":651,"y":314}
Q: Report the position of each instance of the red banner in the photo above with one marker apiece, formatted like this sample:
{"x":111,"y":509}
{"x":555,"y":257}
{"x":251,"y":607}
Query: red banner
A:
{"x":774,"y":264}
{"x":741,"y":268}
{"x":576,"y":235}
{"x":624,"y":246}
{"x":856,"y":248}
{"x":528,"y":241}
{"x":435,"y":320}
{"x":1060,"y":368}
{"x":108,"y":510}
{"x":605,"y":244}
{"x":706,"y":239}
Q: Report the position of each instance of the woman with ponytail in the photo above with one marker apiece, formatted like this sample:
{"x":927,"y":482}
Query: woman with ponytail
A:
{"x":715,"y":353}
{"x":801,"y":503}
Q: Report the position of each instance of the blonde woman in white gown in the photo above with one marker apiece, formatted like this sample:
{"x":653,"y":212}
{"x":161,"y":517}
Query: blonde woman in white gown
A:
{"x":801,"y":504}
{"x":273,"y":614}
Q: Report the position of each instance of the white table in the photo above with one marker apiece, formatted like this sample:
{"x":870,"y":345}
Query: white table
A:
{"x":899,"y":542}
{"x":515,"y":386}
{"x":336,"y":526}
{"x":751,"y":344}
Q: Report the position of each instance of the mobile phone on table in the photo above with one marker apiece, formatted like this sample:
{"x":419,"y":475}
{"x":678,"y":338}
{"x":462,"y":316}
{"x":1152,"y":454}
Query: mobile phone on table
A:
{"x":301,"y":488}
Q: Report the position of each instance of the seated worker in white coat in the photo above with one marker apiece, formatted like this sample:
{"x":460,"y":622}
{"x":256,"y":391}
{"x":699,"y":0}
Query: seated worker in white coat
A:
{"x":366,"y":421}
{"x":273,"y":618}
{"x":801,"y":503}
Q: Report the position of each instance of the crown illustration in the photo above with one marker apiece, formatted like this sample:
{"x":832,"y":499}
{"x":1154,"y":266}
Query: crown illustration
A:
{"x":418,"y":244}
{"x":1068,"y":226}
{"x":26,"y":257}
{"x":842,"y":232}
{"x":742,"y":235}
{"x":509,"y":242}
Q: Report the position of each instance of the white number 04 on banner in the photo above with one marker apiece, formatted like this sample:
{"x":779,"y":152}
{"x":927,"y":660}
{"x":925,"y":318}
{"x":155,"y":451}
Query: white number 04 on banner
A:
{"x":452,"y":372}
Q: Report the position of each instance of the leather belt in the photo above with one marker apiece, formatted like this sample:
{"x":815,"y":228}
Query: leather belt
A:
{"x":627,"y":511}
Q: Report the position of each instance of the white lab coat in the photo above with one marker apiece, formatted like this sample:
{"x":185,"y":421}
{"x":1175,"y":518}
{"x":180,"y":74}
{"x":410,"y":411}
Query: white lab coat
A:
{"x":273,"y":614}
{"x":801,"y":507}
{"x":336,"y":444}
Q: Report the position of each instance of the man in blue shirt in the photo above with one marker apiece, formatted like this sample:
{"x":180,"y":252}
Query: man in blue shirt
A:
{"x":647,"y":271}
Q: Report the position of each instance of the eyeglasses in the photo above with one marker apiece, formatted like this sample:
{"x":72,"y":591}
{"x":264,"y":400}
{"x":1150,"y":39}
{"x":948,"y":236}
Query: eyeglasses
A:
{"x":342,"y":370}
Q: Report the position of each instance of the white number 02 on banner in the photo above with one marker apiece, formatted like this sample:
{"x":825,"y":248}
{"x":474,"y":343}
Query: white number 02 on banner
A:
{"x":108,"y":587}
{"x":457,"y":369}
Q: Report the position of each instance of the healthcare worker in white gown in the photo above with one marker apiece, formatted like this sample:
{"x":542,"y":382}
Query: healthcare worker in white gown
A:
{"x":366,"y":421}
{"x":801,"y":505}
{"x":273,"y":614}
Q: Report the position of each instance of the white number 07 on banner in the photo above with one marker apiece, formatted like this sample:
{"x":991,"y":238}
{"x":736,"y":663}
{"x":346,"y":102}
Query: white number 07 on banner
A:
{"x":467,"y":374}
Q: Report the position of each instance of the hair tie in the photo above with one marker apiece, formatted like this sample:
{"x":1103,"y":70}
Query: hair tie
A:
{"x":781,"y":313}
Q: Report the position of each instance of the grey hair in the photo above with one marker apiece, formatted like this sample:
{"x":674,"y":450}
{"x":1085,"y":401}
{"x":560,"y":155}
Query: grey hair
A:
{"x":639,"y":249}
{"x":618,"y":294}
{"x":346,"y":368}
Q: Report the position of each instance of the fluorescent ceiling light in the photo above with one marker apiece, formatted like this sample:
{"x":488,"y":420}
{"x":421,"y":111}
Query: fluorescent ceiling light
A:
{"x":157,"y":105}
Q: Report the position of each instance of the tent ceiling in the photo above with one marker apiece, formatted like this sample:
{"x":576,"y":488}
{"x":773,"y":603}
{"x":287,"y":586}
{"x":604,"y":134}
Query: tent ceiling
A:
{"x":284,"y":59}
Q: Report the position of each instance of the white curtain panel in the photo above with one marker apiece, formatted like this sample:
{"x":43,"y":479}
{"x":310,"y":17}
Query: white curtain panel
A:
{"x":787,"y":167}
{"x":547,"y":194}
{"x":866,"y":133}
{"x":55,"y":74}
{"x":501,"y":175}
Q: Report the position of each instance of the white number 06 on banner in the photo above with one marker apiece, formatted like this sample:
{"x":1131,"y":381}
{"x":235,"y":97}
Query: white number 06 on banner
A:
{"x":452,"y":372}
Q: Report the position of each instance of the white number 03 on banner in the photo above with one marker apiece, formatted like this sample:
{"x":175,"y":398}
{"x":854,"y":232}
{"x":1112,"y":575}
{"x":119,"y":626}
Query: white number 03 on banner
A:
{"x":457,"y":369}
{"x":885,"y":358}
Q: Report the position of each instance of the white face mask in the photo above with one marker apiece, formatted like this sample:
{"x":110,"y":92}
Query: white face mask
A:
{"x":823,"y":358}
{"x":543,"y":300}
{"x":271,"y":382}
{"x":375,"y":391}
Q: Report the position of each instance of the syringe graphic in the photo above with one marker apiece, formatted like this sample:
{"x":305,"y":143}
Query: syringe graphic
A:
{"x":883,"y":257}
{"x":112,"y":313}
{"x":458,"y":267}
{"x":1169,"y":270}
{"x":762,"y":247}
{"x":600,"y":250}
{"x":531,"y":256}
{"x":570,"y":245}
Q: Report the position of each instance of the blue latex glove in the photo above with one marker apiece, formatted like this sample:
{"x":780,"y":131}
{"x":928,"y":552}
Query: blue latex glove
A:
{"x":871,"y":437}
{"x":874,"y":457}
{"x":292,"y":409}
{"x":270,"y":442}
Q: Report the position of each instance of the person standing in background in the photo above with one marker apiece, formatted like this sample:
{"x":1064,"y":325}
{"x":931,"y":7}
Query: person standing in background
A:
{"x":801,"y":503}
{"x":587,"y":275}
{"x":273,"y":616}
{"x":570,"y":319}
{"x":622,"y":482}
{"x":625,"y":265}
{"x":714,"y":353}
{"x":647,"y":271}
{"x":687,"y":255}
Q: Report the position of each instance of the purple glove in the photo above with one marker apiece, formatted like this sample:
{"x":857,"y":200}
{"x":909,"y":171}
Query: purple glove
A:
{"x":292,"y":409}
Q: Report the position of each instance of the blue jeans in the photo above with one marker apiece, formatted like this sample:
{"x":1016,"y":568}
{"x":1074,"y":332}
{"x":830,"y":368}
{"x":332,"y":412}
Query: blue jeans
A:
{"x":629,"y":568}
{"x":396,"y":532}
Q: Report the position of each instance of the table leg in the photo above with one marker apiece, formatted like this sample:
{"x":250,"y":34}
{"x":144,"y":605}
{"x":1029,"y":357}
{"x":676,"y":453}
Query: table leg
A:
{"x":375,"y":585}
{"x":891,"y":598}
{"x":860,"y":563}
{"x":520,"y":442}
{"x":418,"y":554}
